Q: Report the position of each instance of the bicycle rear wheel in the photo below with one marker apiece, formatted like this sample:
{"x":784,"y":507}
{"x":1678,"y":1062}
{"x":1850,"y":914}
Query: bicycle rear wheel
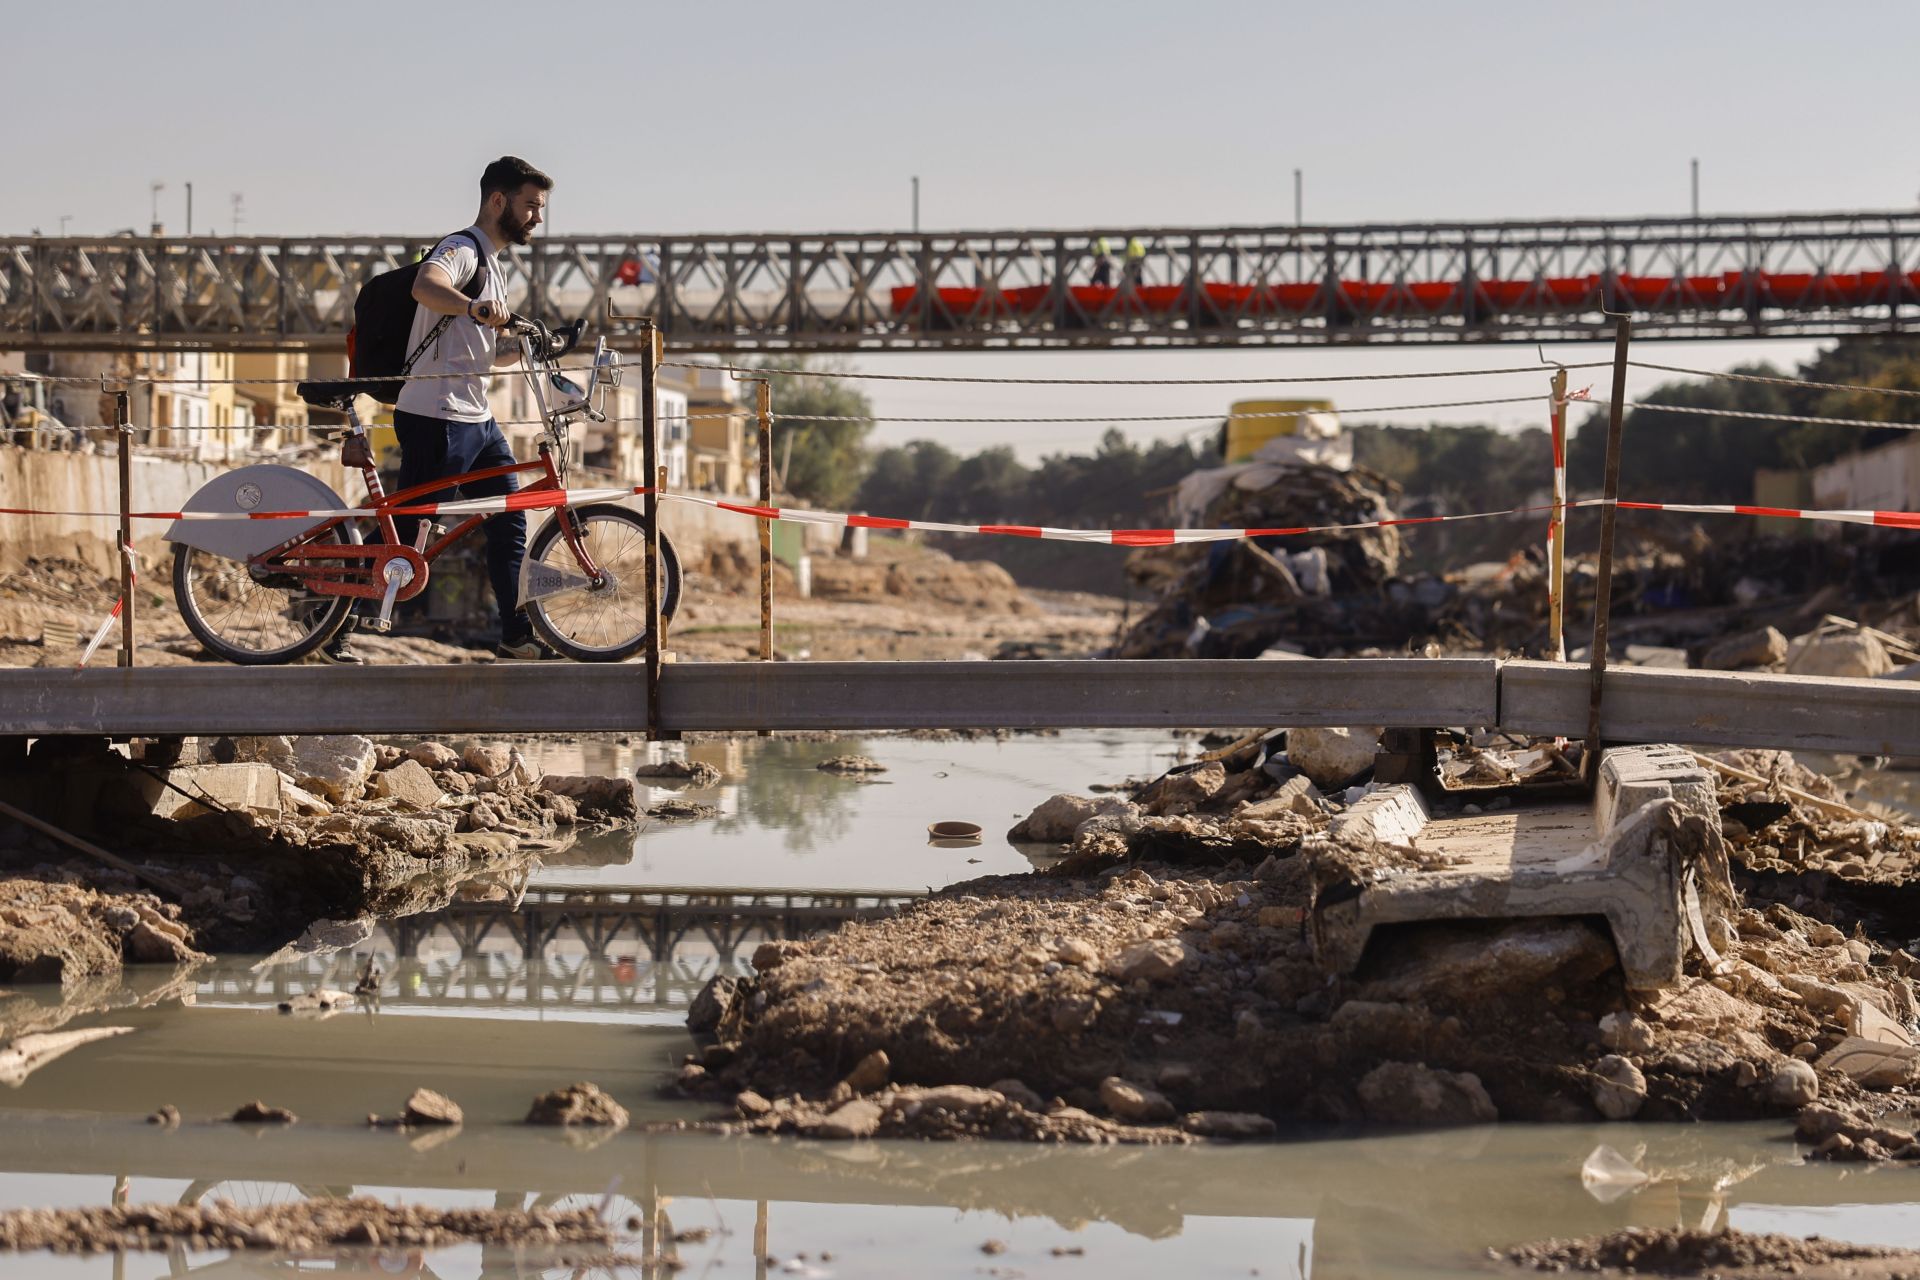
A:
{"x":252,"y":619}
{"x":606,"y":623}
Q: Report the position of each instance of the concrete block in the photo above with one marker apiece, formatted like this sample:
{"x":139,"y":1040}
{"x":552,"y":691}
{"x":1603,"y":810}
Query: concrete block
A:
{"x":253,"y":788}
{"x":1622,"y":857}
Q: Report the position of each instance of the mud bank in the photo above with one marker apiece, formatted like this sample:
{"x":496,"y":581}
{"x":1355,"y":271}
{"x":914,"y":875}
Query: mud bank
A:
{"x":1163,"y":984}
{"x":297,"y":1227}
{"x":1728,"y":1254}
{"x":243,"y":844}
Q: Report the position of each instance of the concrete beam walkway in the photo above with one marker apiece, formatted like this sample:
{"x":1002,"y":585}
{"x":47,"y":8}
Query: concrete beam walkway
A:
{"x":1875,"y":717}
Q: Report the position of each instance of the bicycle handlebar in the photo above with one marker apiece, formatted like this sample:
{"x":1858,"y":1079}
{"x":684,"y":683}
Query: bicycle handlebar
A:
{"x":548,"y":344}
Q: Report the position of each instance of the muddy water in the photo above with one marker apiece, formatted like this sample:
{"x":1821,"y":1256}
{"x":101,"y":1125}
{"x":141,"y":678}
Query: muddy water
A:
{"x":587,"y":975}
{"x":784,"y":822}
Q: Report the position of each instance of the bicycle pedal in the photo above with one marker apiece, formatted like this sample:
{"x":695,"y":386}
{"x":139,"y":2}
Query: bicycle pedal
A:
{"x":379,"y":626}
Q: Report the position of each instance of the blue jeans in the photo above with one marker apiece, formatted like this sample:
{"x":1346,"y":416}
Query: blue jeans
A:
{"x":431,"y":448}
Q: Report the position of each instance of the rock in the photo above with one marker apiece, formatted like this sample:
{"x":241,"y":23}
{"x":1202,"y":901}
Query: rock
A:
{"x":690,"y":773}
{"x":274,"y":750}
{"x":771,"y":955}
{"x":594,"y":797}
{"x":1227,"y":1124}
{"x":1134,"y":1102}
{"x":336,"y":768}
{"x":1179,"y":793}
{"x":1822,"y":934}
{"x":578,"y":1104}
{"x":1296,"y":796}
{"x":1624,"y":1033}
{"x":156,"y":940}
{"x":750,"y":1104}
{"x":301,"y":802}
{"x":956,"y":1099}
{"x":435,"y":755}
{"x":719,"y":1005}
{"x":1054,"y":821}
{"x":1413,"y":1094}
{"x":1332,"y":756}
{"x":1520,"y":957}
{"x":1017,"y":1092}
{"x":1619,"y":1089}
{"x":1873,"y":1064}
{"x":851,"y":764}
{"x":1763,"y":648}
{"x":857,"y":1119}
{"x":258,"y":1112}
{"x":870,"y":1073}
{"x":1078,"y":952}
{"x":409,"y":785}
{"x":427,"y":1107}
{"x":1154,"y":961}
{"x":319,"y":1000}
{"x":386,"y":756}
{"x":489,"y":760}
{"x":1849,"y":653}
{"x":1793,"y":1084}
{"x":676,"y":809}
{"x":1074,"y":1013}
{"x":167,"y":1117}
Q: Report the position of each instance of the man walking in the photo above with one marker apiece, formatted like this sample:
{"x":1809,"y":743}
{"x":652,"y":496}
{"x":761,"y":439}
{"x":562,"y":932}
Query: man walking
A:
{"x":442,"y":420}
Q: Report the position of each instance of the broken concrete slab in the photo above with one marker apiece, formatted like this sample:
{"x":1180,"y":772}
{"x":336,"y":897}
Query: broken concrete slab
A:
{"x":191,"y":790}
{"x":1630,"y":857}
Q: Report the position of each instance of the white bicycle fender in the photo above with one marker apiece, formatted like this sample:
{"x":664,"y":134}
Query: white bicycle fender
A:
{"x":266,"y":487}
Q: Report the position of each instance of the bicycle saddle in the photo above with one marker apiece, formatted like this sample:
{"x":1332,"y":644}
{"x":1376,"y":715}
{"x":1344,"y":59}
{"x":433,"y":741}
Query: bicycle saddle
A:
{"x":326,"y":394}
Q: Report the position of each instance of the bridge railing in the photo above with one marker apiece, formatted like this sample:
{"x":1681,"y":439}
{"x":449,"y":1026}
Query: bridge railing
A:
{"x":1785,"y":274}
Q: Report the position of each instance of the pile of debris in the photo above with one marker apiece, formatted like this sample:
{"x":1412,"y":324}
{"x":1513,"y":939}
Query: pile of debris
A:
{"x":327,"y":827}
{"x":1681,"y":597}
{"x":1165,"y":981}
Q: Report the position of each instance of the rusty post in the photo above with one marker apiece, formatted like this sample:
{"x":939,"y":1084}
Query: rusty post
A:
{"x":1557,"y":525}
{"x":760,"y":1240}
{"x":123,"y":426}
{"x":763,"y":404}
{"x":1609,"y":510}
{"x":650,"y":468}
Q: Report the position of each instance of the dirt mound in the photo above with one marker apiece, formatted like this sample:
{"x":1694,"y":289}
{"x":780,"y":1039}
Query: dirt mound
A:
{"x":300,"y":1226}
{"x":1698,"y":1253}
{"x":928,"y":576}
{"x":63,"y":933}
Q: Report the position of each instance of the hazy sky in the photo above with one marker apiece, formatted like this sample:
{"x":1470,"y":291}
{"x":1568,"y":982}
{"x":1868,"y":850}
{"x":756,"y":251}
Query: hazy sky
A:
{"x":376,"y":118}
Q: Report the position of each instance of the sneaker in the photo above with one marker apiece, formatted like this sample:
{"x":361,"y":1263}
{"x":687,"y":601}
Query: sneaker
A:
{"x":528,"y":650}
{"x":340,"y":653}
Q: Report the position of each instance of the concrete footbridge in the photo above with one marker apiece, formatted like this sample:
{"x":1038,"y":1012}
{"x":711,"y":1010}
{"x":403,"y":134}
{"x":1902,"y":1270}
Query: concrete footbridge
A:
{"x":1866,"y":717}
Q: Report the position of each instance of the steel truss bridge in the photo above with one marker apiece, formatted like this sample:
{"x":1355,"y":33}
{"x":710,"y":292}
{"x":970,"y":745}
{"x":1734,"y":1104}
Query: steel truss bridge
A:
{"x":562,"y":946}
{"x":1803,"y":275}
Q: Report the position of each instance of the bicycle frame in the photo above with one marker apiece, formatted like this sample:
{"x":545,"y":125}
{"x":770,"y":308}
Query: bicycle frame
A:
{"x":336,"y":568}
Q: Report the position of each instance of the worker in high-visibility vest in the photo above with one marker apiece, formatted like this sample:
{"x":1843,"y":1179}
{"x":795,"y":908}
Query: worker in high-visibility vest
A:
{"x":1136,"y":258}
{"x":1103,"y":262}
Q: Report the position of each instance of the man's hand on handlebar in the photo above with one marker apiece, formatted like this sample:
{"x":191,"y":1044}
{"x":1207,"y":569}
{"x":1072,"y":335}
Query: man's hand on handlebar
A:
{"x":488,"y":312}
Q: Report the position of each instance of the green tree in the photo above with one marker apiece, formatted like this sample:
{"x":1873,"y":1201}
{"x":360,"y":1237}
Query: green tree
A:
{"x":821,"y":463}
{"x":908,"y":481}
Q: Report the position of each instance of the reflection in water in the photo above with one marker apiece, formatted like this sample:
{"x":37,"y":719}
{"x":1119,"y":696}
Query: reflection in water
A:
{"x":576,"y":947}
{"x":1419,"y":1205}
{"x":788,"y":793}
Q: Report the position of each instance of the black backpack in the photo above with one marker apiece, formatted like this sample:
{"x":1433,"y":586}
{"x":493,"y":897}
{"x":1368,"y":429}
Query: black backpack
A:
{"x":383,"y":320}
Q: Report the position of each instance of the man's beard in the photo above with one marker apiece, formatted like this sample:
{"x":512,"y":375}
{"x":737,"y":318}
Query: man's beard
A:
{"x":517,"y":230}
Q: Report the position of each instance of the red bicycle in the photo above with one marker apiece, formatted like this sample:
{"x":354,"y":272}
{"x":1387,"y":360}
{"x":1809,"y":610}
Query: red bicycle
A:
{"x":259,"y":592}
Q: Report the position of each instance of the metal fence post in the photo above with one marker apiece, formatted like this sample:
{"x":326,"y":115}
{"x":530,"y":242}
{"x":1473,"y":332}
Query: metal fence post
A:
{"x":1557,"y":525}
{"x":123,"y":426}
{"x":1603,"y":578}
{"x":763,"y":404}
{"x":650,"y":468}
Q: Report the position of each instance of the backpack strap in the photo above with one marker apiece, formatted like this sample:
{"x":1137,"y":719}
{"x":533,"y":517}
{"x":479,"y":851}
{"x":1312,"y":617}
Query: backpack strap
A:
{"x":472,"y":288}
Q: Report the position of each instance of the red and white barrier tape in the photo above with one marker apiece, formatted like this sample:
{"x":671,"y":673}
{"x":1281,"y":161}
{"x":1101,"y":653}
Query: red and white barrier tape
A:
{"x":100,"y":636}
{"x":550,"y":498}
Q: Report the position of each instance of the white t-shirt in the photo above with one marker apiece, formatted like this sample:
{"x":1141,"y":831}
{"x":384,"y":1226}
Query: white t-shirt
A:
{"x":464,"y":346}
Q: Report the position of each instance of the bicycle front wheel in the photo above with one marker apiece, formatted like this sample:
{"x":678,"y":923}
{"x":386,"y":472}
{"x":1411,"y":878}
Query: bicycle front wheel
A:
{"x":607,"y":623}
{"x":255,"y":619}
